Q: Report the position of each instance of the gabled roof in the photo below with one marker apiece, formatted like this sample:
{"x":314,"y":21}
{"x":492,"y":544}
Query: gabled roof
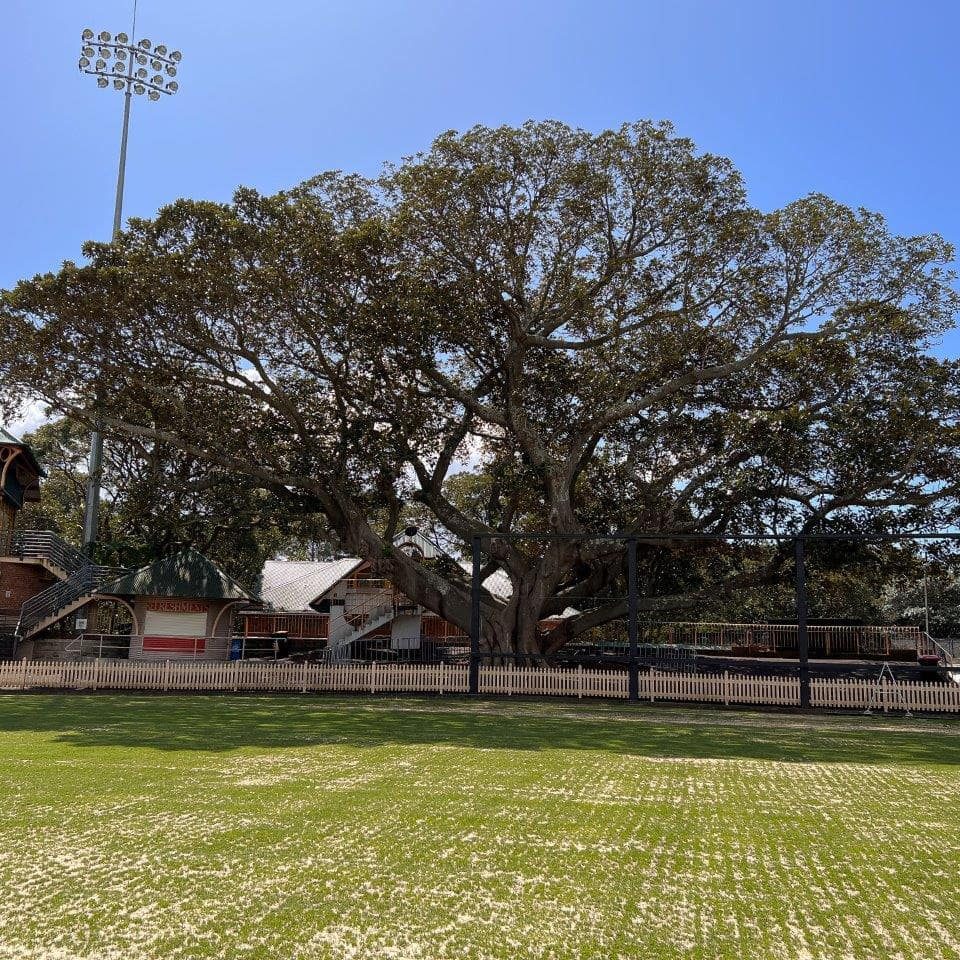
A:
{"x":497,"y":584}
{"x":411,"y":536}
{"x":9,"y":440}
{"x":294,"y":585}
{"x":185,"y":574}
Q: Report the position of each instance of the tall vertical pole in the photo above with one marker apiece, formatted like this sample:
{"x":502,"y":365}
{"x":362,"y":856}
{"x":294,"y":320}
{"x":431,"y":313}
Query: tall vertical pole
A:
{"x":475,"y":619}
{"x":91,"y":511}
{"x":634,"y":666}
{"x":803,"y":643}
{"x":92,"y":505}
{"x":122,"y":171}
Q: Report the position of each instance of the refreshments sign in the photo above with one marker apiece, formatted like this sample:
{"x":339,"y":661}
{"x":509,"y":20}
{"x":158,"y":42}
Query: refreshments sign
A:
{"x":173,"y":605}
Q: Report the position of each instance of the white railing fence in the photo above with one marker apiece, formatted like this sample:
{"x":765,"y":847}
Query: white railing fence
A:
{"x":233,"y":676}
{"x":440,"y":678}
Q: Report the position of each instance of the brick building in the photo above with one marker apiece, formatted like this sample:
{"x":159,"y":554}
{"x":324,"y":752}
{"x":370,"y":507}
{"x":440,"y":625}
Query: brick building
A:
{"x":20,"y":578}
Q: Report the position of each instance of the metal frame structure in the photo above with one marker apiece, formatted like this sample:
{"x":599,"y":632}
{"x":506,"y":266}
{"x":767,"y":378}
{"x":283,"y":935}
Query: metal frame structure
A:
{"x":121,"y":62}
{"x":632,"y":539}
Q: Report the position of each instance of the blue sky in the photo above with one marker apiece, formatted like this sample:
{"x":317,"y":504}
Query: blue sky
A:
{"x":855,"y":99}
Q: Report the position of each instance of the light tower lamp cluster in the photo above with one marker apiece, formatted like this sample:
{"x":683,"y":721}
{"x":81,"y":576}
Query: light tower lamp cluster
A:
{"x":124,"y":63}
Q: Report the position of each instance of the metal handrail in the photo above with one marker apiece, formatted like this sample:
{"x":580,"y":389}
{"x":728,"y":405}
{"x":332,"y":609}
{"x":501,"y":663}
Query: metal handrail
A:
{"x":375,"y":610}
{"x":850,"y":637}
{"x":82,"y":582}
{"x":370,"y":606}
{"x":948,"y":648}
{"x":46,"y":545}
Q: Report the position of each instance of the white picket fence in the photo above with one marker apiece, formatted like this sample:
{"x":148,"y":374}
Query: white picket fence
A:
{"x":233,"y":676}
{"x":907,"y":695}
{"x":554,"y":681}
{"x":269,"y":677}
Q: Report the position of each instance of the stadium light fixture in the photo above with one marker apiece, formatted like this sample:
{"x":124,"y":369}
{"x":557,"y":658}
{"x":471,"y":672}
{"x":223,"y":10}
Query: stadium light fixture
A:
{"x":120,"y":62}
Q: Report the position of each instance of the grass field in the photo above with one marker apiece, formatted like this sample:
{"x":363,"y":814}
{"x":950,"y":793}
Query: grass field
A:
{"x":174,"y":827}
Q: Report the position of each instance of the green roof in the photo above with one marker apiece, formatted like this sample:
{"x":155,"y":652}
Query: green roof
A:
{"x":186,"y":574}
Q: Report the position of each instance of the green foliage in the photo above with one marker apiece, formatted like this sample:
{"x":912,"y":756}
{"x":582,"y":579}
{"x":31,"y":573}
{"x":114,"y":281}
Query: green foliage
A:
{"x":598,"y":328}
{"x":929,"y":593}
{"x":156,"y":501}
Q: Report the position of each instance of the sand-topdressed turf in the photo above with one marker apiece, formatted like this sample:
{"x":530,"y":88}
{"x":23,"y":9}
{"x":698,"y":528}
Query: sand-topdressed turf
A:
{"x":174,"y":827}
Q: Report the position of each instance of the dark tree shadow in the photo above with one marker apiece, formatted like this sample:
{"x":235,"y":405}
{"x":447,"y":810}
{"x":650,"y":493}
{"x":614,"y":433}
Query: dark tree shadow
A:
{"x":222,"y":723}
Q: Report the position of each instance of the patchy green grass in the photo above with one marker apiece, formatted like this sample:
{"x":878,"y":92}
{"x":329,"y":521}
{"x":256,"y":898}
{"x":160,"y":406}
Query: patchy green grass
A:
{"x":180,"y":827}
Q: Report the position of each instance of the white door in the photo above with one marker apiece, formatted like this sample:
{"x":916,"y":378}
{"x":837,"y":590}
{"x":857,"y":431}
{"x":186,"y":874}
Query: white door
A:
{"x":160,"y":624}
{"x":172,"y":634}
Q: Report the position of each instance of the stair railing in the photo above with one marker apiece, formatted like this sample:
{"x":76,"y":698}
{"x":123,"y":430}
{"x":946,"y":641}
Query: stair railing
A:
{"x":947,"y":649}
{"x":46,"y":545}
{"x":364,"y":616}
{"x":48,"y":603}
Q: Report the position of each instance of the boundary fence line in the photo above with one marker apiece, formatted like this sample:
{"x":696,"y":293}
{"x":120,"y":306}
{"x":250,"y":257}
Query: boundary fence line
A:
{"x":444,"y":678}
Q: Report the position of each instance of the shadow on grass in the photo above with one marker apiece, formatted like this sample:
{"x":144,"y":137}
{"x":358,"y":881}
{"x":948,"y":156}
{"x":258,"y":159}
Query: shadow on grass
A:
{"x":223,"y":723}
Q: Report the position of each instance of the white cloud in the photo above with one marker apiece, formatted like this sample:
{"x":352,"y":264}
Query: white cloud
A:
{"x":32,"y":415}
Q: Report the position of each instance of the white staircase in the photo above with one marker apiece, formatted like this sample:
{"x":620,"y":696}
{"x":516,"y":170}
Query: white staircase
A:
{"x":366,"y":619}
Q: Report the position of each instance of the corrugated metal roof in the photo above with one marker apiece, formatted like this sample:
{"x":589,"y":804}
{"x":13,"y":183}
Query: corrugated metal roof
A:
{"x":292,"y":585}
{"x":497,"y":584}
{"x":185,"y":574}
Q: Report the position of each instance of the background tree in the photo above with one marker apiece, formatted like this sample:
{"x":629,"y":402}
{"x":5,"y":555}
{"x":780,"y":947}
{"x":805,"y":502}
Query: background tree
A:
{"x":904,"y":599}
{"x":597,"y":326}
{"x":156,"y":501}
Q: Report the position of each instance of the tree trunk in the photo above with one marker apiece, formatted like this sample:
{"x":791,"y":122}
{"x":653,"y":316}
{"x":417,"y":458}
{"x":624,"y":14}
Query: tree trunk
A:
{"x":516,"y":629}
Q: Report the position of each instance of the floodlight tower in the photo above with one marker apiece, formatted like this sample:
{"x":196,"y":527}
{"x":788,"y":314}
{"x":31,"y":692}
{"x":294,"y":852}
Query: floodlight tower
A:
{"x":130,"y":66}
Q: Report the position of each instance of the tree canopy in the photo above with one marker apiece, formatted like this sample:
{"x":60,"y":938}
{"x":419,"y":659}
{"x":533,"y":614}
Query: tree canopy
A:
{"x":158,"y":500}
{"x":534,"y":329}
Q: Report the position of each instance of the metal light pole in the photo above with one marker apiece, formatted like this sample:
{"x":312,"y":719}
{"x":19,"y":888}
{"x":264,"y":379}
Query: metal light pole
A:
{"x":122,"y":62}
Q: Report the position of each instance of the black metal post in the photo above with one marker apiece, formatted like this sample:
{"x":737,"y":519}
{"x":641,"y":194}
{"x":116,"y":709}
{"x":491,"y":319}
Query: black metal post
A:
{"x":634,"y":687}
{"x":803,"y":643}
{"x":475,"y":619}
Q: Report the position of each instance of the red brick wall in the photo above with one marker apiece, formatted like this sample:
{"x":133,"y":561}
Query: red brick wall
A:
{"x":8,"y":517}
{"x":19,"y":582}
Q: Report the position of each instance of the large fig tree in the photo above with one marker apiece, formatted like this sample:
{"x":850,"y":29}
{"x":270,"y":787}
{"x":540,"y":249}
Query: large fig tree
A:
{"x":539,"y":329}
